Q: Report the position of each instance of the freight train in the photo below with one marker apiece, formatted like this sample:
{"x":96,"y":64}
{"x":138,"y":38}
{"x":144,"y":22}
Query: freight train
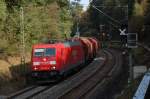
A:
{"x":56,"y":59}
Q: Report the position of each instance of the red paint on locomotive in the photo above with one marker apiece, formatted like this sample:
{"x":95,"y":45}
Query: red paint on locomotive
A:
{"x":58,"y":57}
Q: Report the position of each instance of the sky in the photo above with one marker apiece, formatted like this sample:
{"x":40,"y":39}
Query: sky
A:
{"x":85,"y":3}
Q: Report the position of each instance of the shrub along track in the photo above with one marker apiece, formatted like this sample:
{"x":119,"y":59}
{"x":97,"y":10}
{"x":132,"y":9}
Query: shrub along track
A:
{"x":86,"y":84}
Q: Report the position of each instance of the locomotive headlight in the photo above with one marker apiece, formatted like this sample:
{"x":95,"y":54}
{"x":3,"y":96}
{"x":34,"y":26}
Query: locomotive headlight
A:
{"x":53,"y":67}
{"x":36,"y":63}
{"x":35,"y":68}
{"x":53,"y":62}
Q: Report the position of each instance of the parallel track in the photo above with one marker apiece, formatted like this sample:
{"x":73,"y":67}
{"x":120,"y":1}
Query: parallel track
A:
{"x":89,"y":84}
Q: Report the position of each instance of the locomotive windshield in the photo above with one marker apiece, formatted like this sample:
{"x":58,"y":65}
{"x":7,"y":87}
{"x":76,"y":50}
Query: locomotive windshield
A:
{"x":44,"y":52}
{"x":50,"y":52}
{"x":38,"y":52}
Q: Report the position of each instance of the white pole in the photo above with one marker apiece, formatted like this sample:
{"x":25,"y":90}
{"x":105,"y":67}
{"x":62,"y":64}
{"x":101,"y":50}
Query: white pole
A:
{"x":22,"y":36}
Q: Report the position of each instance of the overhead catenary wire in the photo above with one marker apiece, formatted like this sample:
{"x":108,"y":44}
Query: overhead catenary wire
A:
{"x":113,"y":25}
{"x":106,"y":15}
{"x":111,"y":18}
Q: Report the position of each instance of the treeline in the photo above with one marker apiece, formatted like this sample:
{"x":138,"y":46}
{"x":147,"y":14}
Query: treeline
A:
{"x":104,"y":16}
{"x":139,"y":22}
{"x":135,"y":17}
{"x":42,"y":19}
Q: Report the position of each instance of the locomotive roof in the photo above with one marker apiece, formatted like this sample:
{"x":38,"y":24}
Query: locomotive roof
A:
{"x":46,"y":45}
{"x":72,"y":43}
{"x":66,"y":44}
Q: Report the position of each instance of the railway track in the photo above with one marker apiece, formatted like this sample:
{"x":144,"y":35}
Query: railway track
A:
{"x":83,"y":90}
{"x":78,"y":86}
{"x":81,"y":84}
{"x":28,"y":92}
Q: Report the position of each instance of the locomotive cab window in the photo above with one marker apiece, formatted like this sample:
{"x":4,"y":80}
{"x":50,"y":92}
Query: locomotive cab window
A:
{"x":44,"y":52}
{"x":38,"y":52}
{"x":50,"y":52}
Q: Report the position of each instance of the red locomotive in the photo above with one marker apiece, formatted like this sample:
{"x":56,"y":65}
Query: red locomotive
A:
{"x":53,"y":60}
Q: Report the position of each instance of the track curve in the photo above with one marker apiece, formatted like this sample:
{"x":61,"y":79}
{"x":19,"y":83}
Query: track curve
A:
{"x":79,"y":86}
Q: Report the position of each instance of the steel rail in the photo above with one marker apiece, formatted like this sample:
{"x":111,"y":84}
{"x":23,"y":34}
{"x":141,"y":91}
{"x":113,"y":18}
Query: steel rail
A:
{"x":57,"y":91}
{"x":40,"y":91}
{"x":29,"y":92}
{"x":87,"y":86}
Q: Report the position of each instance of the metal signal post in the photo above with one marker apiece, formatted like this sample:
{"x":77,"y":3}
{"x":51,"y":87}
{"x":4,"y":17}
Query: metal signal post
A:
{"x":22,"y":51}
{"x":132,"y":39}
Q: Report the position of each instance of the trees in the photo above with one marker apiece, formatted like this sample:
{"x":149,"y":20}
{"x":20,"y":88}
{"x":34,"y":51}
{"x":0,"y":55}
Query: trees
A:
{"x":65,"y":22}
{"x":140,"y":19}
{"x":76,"y":12}
{"x":136,"y":17}
{"x":42,"y":19}
{"x":3,"y":15}
{"x":112,"y":13}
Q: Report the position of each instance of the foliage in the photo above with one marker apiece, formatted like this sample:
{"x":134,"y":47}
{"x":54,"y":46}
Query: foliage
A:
{"x":136,"y":18}
{"x":140,"y":19}
{"x":3,"y":11}
{"x":112,"y":13}
{"x":42,"y":19}
{"x":76,"y":12}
